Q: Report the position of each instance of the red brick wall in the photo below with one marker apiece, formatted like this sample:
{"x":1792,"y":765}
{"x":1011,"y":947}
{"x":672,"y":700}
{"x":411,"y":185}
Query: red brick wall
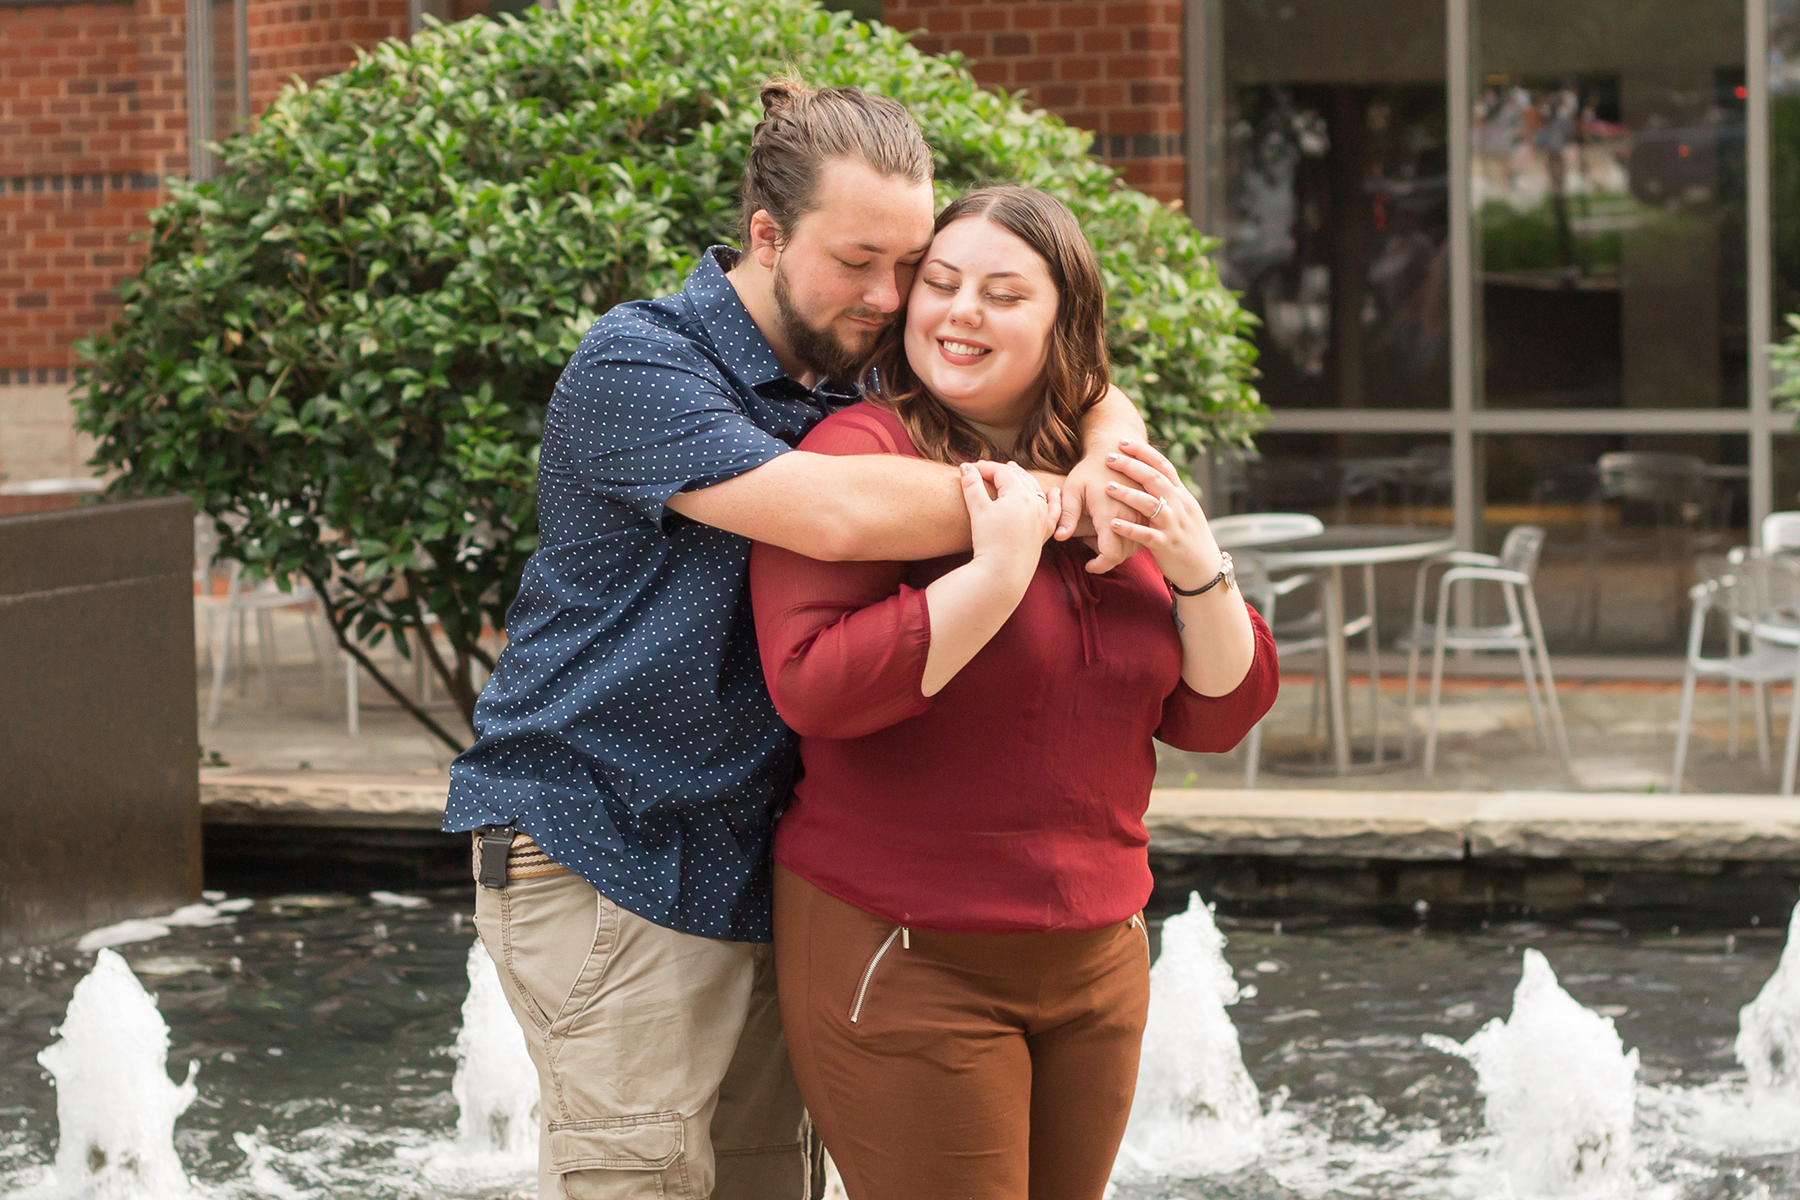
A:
{"x":93,"y":116}
{"x":312,"y":39}
{"x":1113,"y":68}
{"x":93,"y":113}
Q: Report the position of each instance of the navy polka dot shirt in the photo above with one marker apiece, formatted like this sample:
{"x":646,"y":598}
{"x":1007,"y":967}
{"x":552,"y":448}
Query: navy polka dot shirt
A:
{"x":627,"y":728}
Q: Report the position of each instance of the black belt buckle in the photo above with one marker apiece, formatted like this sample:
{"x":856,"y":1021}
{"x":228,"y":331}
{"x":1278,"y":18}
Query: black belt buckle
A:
{"x":496,"y":841}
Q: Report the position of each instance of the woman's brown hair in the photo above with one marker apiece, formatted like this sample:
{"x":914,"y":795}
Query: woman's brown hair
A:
{"x":1076,"y":370}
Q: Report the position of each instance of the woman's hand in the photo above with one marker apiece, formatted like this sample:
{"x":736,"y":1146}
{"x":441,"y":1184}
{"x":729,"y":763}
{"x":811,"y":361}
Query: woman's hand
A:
{"x":1171,"y":524}
{"x":1009,"y":528}
{"x":968,"y":606}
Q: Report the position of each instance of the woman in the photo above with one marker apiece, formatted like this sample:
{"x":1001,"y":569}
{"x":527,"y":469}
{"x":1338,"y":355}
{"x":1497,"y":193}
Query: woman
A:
{"x":962,"y":963}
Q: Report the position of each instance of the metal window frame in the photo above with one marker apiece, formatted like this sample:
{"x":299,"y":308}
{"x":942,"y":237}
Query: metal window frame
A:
{"x":1463,"y":420}
{"x":201,"y":102}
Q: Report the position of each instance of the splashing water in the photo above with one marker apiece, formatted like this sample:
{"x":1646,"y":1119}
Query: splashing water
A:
{"x":496,"y":1085}
{"x":115,"y":1104}
{"x":1560,"y":1090}
{"x":1762,"y":1115}
{"x":496,"y":1091}
{"x":1196,"y":1111}
{"x":1768,"y":1041}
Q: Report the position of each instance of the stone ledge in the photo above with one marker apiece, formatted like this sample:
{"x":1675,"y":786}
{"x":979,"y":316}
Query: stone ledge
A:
{"x":1421,"y":827}
{"x":1439,"y":826}
{"x":322,"y":799}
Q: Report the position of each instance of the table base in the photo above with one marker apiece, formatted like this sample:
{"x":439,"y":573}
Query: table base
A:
{"x":1319,"y":762}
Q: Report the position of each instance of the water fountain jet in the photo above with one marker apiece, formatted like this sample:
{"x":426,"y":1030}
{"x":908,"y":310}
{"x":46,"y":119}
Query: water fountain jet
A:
{"x":496,"y":1085}
{"x":1560,"y":1090}
{"x":115,"y":1104}
{"x":1768,"y":1041}
{"x":1196,"y":1111}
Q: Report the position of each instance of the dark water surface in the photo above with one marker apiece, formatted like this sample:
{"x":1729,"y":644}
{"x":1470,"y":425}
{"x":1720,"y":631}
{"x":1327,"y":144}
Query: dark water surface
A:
{"x":322,"y":1024}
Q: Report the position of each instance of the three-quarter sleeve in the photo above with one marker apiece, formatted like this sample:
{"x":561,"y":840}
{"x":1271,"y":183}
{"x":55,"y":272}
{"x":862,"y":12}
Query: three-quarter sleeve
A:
{"x":843,"y":644}
{"x":1214,"y":724}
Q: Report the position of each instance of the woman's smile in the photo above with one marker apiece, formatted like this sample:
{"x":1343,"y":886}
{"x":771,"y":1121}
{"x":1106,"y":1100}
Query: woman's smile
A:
{"x":962,"y":353}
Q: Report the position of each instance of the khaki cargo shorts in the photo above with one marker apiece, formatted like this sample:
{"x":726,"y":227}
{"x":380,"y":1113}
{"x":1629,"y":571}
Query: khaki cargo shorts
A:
{"x":660,"y":1054}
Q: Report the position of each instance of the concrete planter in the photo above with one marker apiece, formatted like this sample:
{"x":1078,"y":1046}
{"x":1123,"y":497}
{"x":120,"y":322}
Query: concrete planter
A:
{"x":99,"y":780}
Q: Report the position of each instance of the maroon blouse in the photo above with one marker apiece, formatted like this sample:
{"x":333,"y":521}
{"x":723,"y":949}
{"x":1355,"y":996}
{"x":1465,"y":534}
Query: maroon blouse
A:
{"x":1013,"y":800}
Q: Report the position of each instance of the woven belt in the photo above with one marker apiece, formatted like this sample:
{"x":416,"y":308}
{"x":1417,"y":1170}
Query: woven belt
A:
{"x":524,"y":860}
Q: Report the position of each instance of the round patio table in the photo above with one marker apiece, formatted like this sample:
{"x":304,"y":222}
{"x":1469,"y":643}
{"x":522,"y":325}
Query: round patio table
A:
{"x":1365,"y":546}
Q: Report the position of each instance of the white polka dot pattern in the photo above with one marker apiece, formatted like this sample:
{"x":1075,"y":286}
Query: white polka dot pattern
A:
{"x":626,"y":727}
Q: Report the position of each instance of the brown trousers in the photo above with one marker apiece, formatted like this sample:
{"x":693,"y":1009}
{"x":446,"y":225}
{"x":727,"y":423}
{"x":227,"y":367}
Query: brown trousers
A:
{"x":944,"y":1066}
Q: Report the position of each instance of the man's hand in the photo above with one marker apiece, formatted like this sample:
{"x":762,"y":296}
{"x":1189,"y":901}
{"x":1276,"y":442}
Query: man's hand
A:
{"x":1085,"y":493}
{"x":1112,"y":423}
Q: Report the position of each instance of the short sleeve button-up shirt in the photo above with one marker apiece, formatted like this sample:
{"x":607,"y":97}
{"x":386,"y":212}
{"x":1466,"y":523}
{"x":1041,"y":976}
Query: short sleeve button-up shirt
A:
{"x":627,"y":727}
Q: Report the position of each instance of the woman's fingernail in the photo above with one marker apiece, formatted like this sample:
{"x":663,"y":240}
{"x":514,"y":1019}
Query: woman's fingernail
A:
{"x":1112,"y":458}
{"x":1124,"y":441}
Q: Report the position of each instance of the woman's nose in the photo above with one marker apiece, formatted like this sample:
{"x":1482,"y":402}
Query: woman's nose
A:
{"x":964,"y":309}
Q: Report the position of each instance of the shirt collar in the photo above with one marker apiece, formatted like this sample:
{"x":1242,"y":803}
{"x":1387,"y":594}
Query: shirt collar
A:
{"x":727,"y":322}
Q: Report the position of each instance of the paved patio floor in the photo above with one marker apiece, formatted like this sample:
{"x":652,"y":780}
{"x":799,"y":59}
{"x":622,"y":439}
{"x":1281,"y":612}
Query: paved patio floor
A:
{"x":1621,"y":734}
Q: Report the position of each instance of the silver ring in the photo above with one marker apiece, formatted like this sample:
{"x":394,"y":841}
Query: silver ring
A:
{"x":1160,"y":501}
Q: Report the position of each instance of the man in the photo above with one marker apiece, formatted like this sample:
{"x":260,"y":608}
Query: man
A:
{"x":630,"y":763}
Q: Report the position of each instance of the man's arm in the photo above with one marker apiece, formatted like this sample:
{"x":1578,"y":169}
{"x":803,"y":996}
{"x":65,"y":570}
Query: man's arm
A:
{"x":862,"y":507}
{"x":886,"y":507}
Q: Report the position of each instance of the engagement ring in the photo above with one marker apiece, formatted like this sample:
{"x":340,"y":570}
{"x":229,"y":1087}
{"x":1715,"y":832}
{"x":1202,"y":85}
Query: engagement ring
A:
{"x":1160,"y":501}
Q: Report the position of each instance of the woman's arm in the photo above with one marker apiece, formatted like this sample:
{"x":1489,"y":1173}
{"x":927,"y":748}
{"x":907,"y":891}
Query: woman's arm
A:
{"x":1229,"y":675}
{"x":969,"y":605}
{"x":1217,"y":643}
{"x":847,"y":648}
{"x":1214,"y":724}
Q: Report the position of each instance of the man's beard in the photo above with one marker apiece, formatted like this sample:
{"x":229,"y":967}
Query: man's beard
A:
{"x":818,"y":349}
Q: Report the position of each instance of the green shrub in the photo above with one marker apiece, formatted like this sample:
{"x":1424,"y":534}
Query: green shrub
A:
{"x":343,"y":345}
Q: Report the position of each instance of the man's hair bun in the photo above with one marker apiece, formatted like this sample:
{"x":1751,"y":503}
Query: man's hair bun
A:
{"x":781,"y":94}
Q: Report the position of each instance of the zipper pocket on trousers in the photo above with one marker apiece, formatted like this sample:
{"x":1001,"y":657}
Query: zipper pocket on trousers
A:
{"x":862,"y":986}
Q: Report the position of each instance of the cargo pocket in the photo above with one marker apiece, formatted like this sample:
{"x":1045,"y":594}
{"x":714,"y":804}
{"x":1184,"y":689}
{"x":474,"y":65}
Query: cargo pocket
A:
{"x":597,"y":1158}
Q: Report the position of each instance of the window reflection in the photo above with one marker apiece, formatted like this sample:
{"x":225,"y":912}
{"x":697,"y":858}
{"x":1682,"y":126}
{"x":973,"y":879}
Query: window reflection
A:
{"x":1626,"y":517}
{"x":1336,"y":196}
{"x":1607,"y":189}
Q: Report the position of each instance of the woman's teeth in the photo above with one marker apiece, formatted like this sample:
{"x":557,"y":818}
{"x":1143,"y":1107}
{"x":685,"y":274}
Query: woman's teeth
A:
{"x":965,"y":348}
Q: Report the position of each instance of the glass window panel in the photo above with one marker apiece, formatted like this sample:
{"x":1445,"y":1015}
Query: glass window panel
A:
{"x":1626,"y":516}
{"x":1786,"y":496}
{"x":1607,"y":193}
{"x":1336,"y":199}
{"x":1347,"y":479}
{"x":1784,"y":160}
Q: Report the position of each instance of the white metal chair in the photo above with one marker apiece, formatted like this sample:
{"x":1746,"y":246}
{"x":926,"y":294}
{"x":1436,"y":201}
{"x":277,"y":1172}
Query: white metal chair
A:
{"x":1741,"y":617}
{"x":1304,"y":635}
{"x":229,"y":614}
{"x":1263,"y":529}
{"x":1781,"y":533}
{"x":1745,"y":596}
{"x":421,"y":676}
{"x":1513,"y":570}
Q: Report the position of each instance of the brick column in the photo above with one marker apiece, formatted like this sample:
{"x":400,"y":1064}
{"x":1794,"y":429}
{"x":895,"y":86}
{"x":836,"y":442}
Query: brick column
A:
{"x":1113,"y":68}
